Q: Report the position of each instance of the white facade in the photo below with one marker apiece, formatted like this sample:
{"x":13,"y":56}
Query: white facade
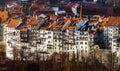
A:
{"x":82,"y":43}
{"x":111,"y":34}
{"x":57,"y":41}
{"x":45,"y":38}
{"x":68,"y":42}
{"x":12,"y":41}
{"x":32,"y":34}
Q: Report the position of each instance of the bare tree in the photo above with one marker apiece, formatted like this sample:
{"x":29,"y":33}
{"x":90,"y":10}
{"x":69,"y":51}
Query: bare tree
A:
{"x":2,"y":52}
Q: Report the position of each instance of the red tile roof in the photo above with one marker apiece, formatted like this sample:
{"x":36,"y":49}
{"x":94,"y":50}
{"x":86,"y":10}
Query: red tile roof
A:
{"x":13,"y":23}
{"x":3,"y":15}
{"x":113,"y":21}
{"x":32,"y":21}
{"x":16,"y":10}
{"x":53,"y":16}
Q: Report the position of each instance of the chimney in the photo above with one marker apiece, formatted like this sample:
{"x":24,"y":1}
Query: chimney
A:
{"x":36,"y":17}
{"x":95,"y":1}
{"x":33,"y":15}
{"x":56,"y":13}
{"x":81,"y":11}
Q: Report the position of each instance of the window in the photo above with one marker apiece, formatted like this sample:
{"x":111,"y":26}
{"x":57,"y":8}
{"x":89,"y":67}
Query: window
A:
{"x":81,"y":51}
{"x":76,"y":43}
{"x":59,"y":48}
{"x":80,"y":38}
{"x":117,"y":48}
{"x":49,"y":36}
{"x":48,"y":41}
{"x":67,"y":48}
{"x":49,"y":32}
{"x":85,"y":42}
{"x":55,"y":40}
{"x":86,"y":38}
{"x":76,"y":46}
{"x":43,"y":35}
{"x":77,"y":32}
{"x":81,"y":42}
{"x":14,"y":33}
{"x":81,"y":47}
{"x":77,"y":38}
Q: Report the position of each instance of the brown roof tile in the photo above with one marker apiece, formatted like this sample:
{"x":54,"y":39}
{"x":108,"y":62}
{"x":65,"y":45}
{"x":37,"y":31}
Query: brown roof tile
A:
{"x":113,"y":21}
{"x":13,"y":23}
{"x":4,"y":15}
{"x":32,"y":21}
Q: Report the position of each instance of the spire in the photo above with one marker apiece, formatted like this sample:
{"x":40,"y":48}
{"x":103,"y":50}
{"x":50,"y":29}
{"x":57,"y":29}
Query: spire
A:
{"x":81,"y":11}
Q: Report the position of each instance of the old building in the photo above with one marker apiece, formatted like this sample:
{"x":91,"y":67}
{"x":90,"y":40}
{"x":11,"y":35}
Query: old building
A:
{"x":12,"y":38}
{"x":3,"y":17}
{"x":81,"y":40}
{"x":32,"y":24}
{"x":45,"y":39}
{"x":82,"y":43}
{"x":111,"y":33}
{"x":68,"y":36}
{"x":57,"y":35}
